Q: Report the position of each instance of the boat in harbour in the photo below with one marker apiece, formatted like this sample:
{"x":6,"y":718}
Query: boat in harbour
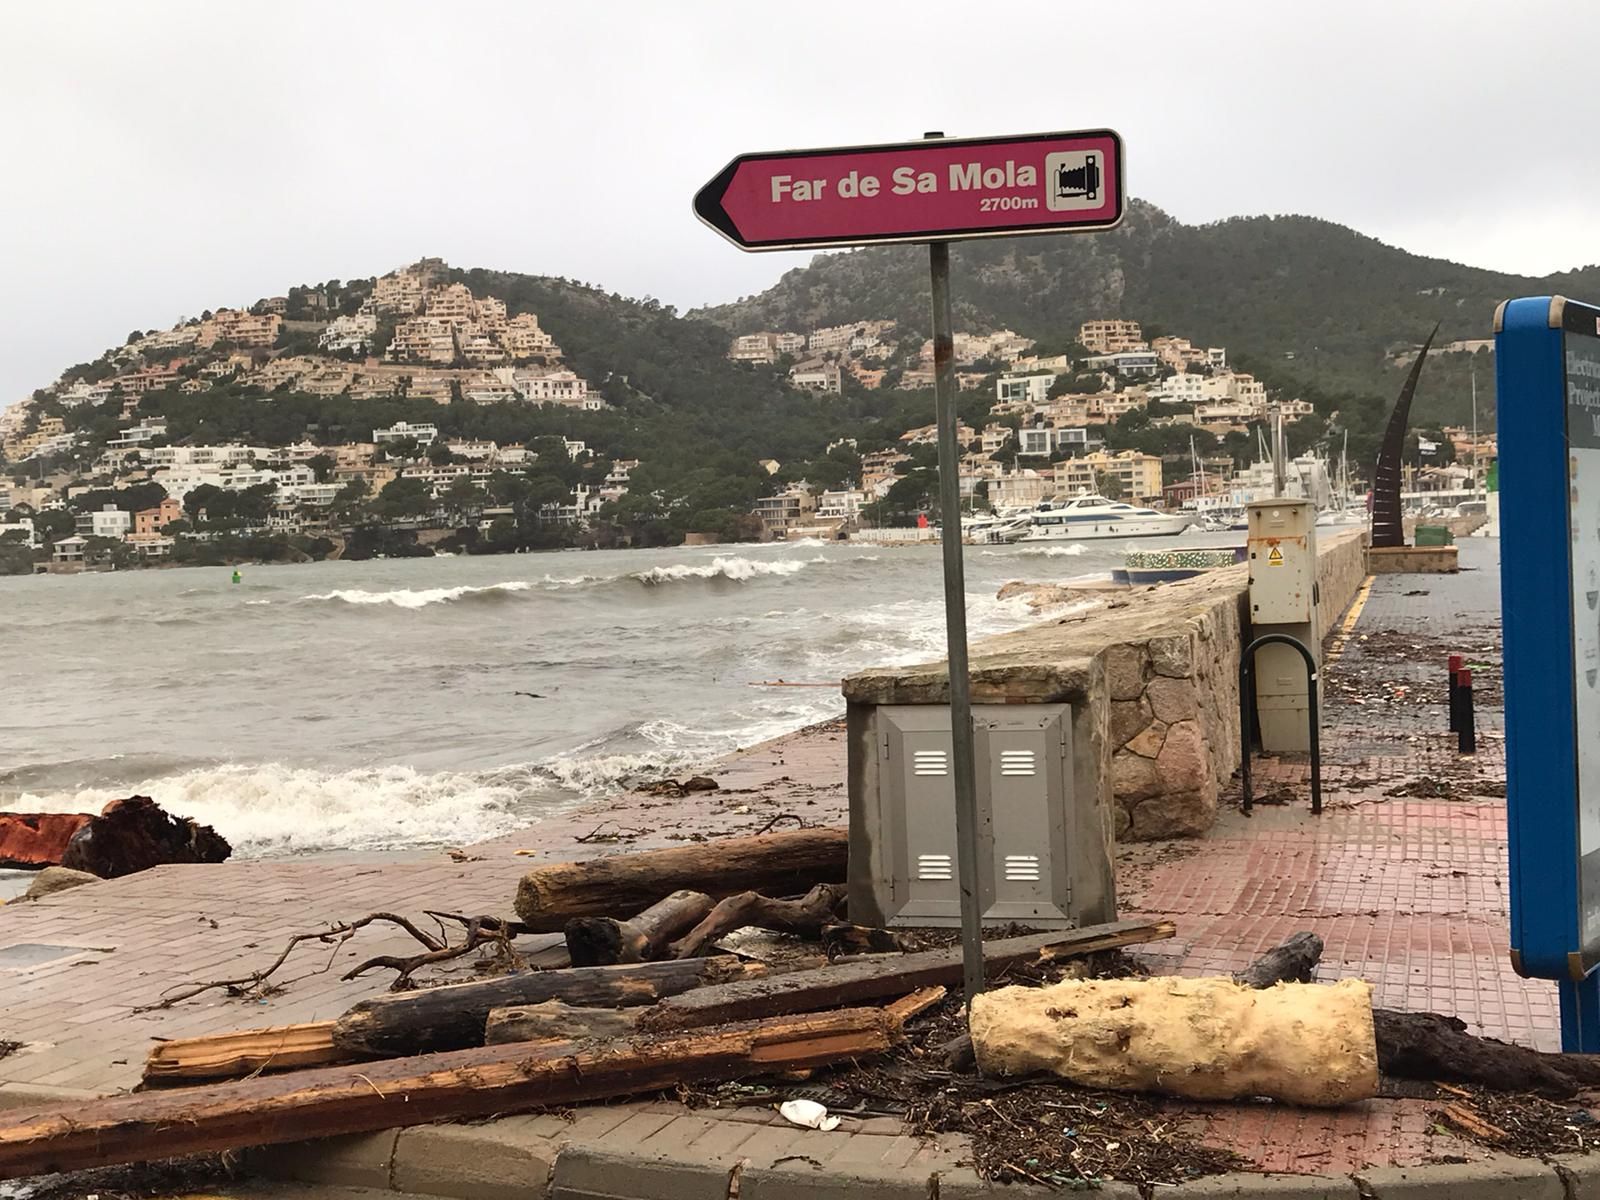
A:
{"x":1088,"y":517}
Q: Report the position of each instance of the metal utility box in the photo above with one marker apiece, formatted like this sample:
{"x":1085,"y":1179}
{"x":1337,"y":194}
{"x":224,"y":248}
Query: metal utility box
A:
{"x":1025,"y":817}
{"x":1282,"y":556}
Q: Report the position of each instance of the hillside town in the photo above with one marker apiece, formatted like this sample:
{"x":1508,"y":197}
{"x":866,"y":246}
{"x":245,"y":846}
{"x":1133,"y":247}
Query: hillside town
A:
{"x":97,"y":474}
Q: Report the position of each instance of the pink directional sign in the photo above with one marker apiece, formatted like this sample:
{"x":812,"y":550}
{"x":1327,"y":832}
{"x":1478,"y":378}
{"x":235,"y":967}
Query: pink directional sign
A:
{"x":933,"y":190}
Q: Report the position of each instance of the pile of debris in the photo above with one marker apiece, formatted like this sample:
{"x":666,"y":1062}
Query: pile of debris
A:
{"x":642,"y":995}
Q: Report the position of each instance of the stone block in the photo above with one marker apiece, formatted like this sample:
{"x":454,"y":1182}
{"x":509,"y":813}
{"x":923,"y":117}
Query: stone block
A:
{"x":362,"y":1160}
{"x":1172,"y":700}
{"x":1173,"y":656}
{"x":1125,"y":671}
{"x":1148,"y":744}
{"x":963,"y":1183}
{"x":1185,"y":762}
{"x":1241,"y":1185}
{"x":1133,"y":777}
{"x":584,"y":1171}
{"x":500,"y":1160}
{"x":800,"y":1179}
{"x":1173,"y":814}
{"x":1580,"y":1173}
{"x":1128,"y":719}
{"x":1497,"y":1178}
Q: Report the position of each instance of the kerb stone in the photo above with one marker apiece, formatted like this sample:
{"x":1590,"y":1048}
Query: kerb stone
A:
{"x":589,"y":1172}
{"x":1245,"y":1186}
{"x":1498,"y":1178}
{"x":361,"y":1160}
{"x":503,"y":1160}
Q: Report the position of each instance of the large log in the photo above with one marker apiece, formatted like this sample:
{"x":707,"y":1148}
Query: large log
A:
{"x":880,"y":978}
{"x":453,"y":1086}
{"x":136,"y":834}
{"x":555,"y":1021}
{"x":1294,"y":961}
{"x":452,"y":1017}
{"x":781,"y":863}
{"x":803,"y":918}
{"x":1439,"y":1049}
{"x":605,"y":941}
{"x":1202,"y":1039}
{"x":229,"y":1055}
{"x":37,"y":839}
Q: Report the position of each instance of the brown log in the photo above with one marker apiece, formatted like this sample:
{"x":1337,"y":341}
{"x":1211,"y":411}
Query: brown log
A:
{"x":877,"y":979}
{"x":777,"y":863}
{"x":839,"y":940}
{"x":603,"y":941}
{"x":37,"y":839}
{"x":452,"y":1086}
{"x":229,"y":1055}
{"x":803,"y":918}
{"x":136,"y":834}
{"x":1437,"y":1048}
{"x":554,"y":1020}
{"x":1295,"y":961}
{"x":452,"y":1017}
{"x":920,"y":1001}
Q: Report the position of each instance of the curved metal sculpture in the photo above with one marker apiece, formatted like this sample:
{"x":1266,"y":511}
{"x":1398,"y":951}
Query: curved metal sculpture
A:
{"x":1387,"y":529}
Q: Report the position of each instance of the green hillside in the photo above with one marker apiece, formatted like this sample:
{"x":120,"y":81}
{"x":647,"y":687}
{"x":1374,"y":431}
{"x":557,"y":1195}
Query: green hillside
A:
{"x":1308,"y":305}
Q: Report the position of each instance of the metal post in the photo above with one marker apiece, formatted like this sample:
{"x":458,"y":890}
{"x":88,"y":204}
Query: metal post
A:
{"x":969,"y":868}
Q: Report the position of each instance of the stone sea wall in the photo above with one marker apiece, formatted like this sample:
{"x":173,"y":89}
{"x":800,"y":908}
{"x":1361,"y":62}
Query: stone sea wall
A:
{"x":1154,"y":680}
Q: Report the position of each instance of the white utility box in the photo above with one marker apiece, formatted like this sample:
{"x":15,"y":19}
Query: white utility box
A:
{"x":1282,"y":555}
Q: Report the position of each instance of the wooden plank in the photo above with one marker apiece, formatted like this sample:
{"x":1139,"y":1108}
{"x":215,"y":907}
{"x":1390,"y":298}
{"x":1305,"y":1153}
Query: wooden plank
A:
{"x":781,"y":864}
{"x":881,"y":978}
{"x":920,"y":1001}
{"x":455,"y":1085}
{"x":452,"y":1017}
{"x":241,"y":1052}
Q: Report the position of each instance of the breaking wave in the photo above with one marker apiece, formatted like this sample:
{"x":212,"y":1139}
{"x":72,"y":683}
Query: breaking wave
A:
{"x":421,"y":597}
{"x":739,"y":570}
{"x":1071,"y":550}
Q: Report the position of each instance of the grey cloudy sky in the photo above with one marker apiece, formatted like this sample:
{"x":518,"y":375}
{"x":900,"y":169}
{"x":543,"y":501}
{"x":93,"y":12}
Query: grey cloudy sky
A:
{"x":164,"y":157}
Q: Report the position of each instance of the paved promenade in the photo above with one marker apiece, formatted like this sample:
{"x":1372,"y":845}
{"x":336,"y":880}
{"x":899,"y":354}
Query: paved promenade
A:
{"x":1404,"y":877}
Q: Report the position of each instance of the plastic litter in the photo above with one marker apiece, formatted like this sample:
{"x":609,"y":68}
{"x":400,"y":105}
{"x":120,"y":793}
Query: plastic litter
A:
{"x":809,"y":1114}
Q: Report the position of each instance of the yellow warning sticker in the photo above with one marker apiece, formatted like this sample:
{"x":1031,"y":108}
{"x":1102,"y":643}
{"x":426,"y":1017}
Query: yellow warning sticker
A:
{"x":1275,"y":559}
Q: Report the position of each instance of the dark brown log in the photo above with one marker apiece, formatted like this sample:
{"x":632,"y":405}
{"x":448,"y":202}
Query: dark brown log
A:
{"x":230,"y":1055}
{"x":839,"y":940}
{"x":452,"y":1017}
{"x":555,"y":1021}
{"x":603,"y":942}
{"x":1295,"y":961}
{"x":439,"y":1087}
{"x":803,"y":918}
{"x":876,"y":979}
{"x":776,"y":863}
{"x":136,"y":834}
{"x":1439,"y":1049}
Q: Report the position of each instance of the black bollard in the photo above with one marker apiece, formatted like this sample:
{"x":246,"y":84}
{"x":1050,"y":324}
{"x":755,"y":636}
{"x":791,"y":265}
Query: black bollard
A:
{"x":1468,"y":733}
{"x":1454,"y":666}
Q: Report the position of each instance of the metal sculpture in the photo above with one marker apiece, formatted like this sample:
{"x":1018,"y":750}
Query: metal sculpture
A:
{"x":1387,"y":529}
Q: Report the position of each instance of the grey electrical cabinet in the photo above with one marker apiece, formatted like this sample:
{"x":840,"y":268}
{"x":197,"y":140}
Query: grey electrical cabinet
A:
{"x":1025,"y":803}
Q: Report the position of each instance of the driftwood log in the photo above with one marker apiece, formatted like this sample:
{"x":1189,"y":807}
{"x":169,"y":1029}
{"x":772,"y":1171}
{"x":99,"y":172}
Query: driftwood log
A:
{"x":882,"y":978}
{"x":783,"y":864}
{"x":1436,"y":1048}
{"x":440,"y":1087}
{"x":555,"y":1021}
{"x":453,"y":1017}
{"x":228,"y":1055}
{"x":804,"y":917}
{"x":603,"y":941}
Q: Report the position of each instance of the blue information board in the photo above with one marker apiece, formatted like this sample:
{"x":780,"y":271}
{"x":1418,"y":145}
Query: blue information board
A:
{"x":1547,"y":371}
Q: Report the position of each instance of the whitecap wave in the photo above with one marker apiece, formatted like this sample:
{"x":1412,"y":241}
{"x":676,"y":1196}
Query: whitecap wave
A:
{"x":1070,"y":550}
{"x":419,"y":597}
{"x":739,"y":570}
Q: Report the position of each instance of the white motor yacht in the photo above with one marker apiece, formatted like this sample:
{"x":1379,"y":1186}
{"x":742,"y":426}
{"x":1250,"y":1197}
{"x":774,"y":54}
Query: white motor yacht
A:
{"x":1086,"y":517}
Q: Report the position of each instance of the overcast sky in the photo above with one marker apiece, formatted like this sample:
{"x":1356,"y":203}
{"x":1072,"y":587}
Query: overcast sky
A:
{"x":160,"y":158}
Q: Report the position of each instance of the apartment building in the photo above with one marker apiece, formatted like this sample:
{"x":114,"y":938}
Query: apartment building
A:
{"x":453,"y":304}
{"x":239,"y":328}
{"x":817,"y":377}
{"x":353,"y":333}
{"x":400,"y":292}
{"x":149,"y":522}
{"x":523,"y":339}
{"x":142,"y":434}
{"x":1023,"y":389}
{"x":1139,"y":474}
{"x":423,"y":433}
{"x":424,"y":340}
{"x":787,"y":509}
{"x":789,"y":343}
{"x":994,"y":436}
{"x":554,"y":387}
{"x":109,"y":522}
{"x":758,"y":348}
{"x":1110,"y":337}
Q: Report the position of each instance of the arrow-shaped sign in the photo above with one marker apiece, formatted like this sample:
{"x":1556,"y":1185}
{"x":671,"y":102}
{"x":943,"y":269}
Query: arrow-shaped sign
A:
{"x":934,"y":190}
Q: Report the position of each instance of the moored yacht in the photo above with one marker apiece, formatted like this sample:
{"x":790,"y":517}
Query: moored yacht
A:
{"x":1085,"y":517}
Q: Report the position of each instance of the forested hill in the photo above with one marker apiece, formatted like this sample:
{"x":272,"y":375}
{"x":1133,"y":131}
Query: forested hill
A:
{"x":1304,"y":302}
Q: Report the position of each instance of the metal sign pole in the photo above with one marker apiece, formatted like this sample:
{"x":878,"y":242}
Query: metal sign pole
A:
{"x":968,"y":865}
